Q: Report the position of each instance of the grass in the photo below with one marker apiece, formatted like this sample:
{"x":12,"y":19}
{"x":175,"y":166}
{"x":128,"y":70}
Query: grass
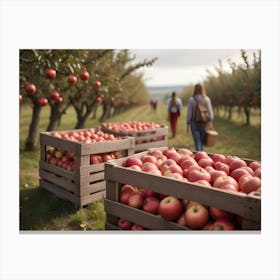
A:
{"x":41,"y":210}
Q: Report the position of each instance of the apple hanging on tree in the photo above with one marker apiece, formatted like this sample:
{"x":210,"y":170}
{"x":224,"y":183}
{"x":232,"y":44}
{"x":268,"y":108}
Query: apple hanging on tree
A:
{"x":72,"y":80}
{"x":84,"y":76}
{"x":42,"y":101}
{"x":30,"y":88}
{"x":50,"y":74}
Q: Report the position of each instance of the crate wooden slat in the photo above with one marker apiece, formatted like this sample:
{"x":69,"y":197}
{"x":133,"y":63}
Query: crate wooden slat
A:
{"x":86,"y":184}
{"x":150,"y":221}
{"x":144,"y":139}
{"x":247,"y":206}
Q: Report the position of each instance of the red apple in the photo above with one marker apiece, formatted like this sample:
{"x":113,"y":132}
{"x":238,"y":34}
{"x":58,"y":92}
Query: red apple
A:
{"x":238,"y":172}
{"x":244,"y":178}
{"x":148,"y":158}
{"x":132,"y":161}
{"x":54,"y":95}
{"x":30,"y":88}
{"x":172,"y":154}
{"x":237,"y":163}
{"x":137,"y":227}
{"x":156,"y":153}
{"x":254,"y":165}
{"x":181,"y":220}
{"x":151,"y":205}
{"x":204,"y":162}
{"x":135,"y":167}
{"x":97,"y":84}
{"x":222,"y":166}
{"x":208,"y":226}
{"x":196,"y":217}
{"x":217,"y":213}
{"x":94,"y":159}
{"x":124,"y":224}
{"x":187,"y":163}
{"x":166,"y":164}
{"x":223,"y":224}
{"x":135,"y":200}
{"x":175,"y":169}
{"x":215,"y":174}
{"x":223,"y":181}
{"x":148,"y":166}
{"x":250,"y":185}
{"x":203,"y":183}
{"x":258,"y":172}
{"x":124,"y":196}
{"x":199,"y":155}
{"x":218,"y":158}
{"x":200,"y":174}
{"x":170,"y":208}
{"x":84,"y":76}
{"x":72,"y":80}
{"x":128,"y":188}
{"x":42,"y":101}
{"x":50,"y":74}
{"x":185,"y":152}
{"x":230,"y":159}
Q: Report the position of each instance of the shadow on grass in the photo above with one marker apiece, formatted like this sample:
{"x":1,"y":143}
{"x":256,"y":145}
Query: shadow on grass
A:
{"x":38,"y":209}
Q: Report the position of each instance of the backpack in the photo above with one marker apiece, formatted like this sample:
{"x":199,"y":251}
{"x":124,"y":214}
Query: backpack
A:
{"x":201,"y":115}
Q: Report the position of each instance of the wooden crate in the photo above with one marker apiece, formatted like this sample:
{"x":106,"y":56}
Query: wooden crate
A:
{"x":144,"y":139}
{"x":247,"y":206}
{"x":86,"y":184}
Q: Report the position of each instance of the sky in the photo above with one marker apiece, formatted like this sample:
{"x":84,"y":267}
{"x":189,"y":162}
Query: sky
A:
{"x":184,"y":66}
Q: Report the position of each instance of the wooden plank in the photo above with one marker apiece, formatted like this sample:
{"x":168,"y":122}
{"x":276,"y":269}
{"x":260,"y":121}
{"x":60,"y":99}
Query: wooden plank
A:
{"x":61,"y":193}
{"x":85,"y":200}
{"x":87,"y":188}
{"x":109,"y":226}
{"x":106,"y":146}
{"x":241,"y":204}
{"x":43,"y":154}
{"x":57,"y":170}
{"x":147,"y":220}
{"x":59,"y":143}
{"x":148,"y":145}
{"x":62,"y":182}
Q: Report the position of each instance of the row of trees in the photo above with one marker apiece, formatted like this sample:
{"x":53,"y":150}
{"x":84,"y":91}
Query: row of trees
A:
{"x":83,"y":79}
{"x":239,"y":88}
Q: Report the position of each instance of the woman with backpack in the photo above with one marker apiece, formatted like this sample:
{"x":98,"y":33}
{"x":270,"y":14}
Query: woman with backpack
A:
{"x":199,"y":114}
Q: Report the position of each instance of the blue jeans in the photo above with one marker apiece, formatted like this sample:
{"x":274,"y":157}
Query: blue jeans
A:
{"x":198,"y":133}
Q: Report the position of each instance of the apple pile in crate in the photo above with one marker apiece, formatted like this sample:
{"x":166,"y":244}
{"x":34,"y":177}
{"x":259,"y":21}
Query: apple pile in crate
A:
{"x":229,"y":173}
{"x":132,"y":126}
{"x":66,"y":159}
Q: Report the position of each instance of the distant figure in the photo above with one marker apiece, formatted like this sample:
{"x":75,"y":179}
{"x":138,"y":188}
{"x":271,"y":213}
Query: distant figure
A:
{"x":198,"y":130}
{"x":174,"y":108}
{"x":154,"y":103}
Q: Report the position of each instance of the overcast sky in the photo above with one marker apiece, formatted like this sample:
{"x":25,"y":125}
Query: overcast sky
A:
{"x":184,"y":66}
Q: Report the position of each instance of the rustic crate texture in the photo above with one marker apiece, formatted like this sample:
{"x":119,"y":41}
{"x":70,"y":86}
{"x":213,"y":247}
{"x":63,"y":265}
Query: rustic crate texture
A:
{"x":144,"y":139}
{"x":247,"y":206}
{"x":86,"y":184}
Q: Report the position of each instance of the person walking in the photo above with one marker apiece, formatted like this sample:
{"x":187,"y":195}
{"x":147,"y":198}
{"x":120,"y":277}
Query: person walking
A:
{"x":174,"y":108}
{"x":198,"y":130}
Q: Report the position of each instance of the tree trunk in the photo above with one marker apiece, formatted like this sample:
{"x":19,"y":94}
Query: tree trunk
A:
{"x":32,"y":133}
{"x":83,"y":117}
{"x":54,"y":119}
{"x":104,"y":107}
{"x":229,"y":112}
{"x":94,"y":111}
{"x":247,"y":114}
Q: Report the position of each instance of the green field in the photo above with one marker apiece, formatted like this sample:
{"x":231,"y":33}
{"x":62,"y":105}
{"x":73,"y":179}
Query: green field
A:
{"x":40,"y":210}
